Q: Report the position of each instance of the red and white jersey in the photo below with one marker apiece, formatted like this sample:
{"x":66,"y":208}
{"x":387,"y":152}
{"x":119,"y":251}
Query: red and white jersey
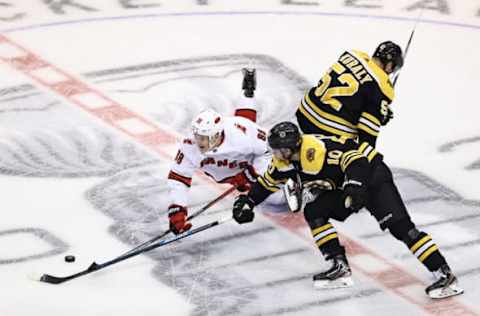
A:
{"x":243,"y":148}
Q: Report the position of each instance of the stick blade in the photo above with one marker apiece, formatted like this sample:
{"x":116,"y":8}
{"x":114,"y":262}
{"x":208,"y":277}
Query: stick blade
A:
{"x":47,"y":278}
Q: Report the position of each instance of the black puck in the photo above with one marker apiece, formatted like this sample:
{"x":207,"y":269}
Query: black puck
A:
{"x":69,"y":258}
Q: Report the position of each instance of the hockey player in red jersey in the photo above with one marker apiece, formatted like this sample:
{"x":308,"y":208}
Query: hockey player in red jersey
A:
{"x":229,"y":149}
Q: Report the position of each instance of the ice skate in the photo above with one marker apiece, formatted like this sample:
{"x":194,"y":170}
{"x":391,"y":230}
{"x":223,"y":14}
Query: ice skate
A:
{"x":338,"y":275}
{"x":445,"y":286}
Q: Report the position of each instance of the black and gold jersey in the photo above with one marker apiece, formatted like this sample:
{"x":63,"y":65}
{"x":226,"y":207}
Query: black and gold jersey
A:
{"x":327,"y":158}
{"x":350,"y":100}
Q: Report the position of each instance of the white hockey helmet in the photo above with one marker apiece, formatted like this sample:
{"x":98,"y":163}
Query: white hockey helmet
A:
{"x":210,"y":124}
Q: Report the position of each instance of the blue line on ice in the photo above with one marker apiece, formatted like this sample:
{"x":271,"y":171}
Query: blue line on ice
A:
{"x":230,"y":13}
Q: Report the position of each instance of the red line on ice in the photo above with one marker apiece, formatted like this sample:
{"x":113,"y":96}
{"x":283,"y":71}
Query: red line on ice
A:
{"x":84,"y":96}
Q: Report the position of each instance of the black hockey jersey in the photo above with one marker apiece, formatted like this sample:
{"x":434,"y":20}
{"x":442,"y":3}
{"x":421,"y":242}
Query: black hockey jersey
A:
{"x":350,"y":100}
{"x":326,"y":158}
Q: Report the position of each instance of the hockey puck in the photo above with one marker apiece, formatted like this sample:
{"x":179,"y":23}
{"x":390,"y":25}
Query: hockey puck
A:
{"x":69,"y":258}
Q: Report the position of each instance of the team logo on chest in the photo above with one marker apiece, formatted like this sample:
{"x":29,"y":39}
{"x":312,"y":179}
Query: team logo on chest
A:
{"x":224,"y":163}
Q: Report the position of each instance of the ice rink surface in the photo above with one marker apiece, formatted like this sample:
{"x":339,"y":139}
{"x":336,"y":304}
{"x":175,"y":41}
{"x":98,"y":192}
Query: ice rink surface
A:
{"x":93,"y":102}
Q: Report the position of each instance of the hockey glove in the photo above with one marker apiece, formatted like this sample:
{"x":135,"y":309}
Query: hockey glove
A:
{"x":355,"y":195}
{"x":177,"y":216}
{"x":293,"y":193}
{"x":240,"y":181}
{"x":243,"y":209}
{"x":387,"y":117}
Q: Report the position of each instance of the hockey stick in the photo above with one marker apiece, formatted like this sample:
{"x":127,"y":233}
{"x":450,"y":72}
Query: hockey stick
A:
{"x":195,"y":214}
{"x":47,"y":278}
{"x":408,"y":44}
{"x":405,"y":55}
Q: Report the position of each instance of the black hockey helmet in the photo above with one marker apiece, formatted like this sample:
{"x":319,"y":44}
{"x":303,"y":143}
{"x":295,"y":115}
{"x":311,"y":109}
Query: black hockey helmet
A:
{"x":284,"y":135}
{"x":389,"y":52}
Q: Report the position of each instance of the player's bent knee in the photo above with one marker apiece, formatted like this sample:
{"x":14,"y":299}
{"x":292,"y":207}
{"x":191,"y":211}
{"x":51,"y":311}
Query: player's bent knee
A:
{"x":316,"y":222}
{"x":404,"y":230}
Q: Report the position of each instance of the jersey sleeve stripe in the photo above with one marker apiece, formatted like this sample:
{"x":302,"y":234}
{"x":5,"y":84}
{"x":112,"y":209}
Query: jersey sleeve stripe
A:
{"x":247,"y":113}
{"x":349,"y":160}
{"x":347,"y":155}
{"x":369,"y":124}
{"x":363,"y":146}
{"x":368,"y":151}
{"x":270,"y":180}
{"x":367,"y":129}
{"x":371,"y":118}
{"x":264,"y":184}
{"x":175,"y":176}
{"x":372,"y":155}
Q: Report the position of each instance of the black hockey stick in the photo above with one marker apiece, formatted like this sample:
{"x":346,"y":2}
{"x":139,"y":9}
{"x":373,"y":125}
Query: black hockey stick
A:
{"x":95,"y":266}
{"x":408,"y":45}
{"x":195,"y":214}
{"x":405,"y":55}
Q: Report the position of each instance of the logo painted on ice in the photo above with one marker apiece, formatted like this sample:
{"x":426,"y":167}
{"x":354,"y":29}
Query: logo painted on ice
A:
{"x":134,"y":193}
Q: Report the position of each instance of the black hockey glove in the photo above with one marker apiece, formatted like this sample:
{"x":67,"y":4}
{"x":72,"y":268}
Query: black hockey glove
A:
{"x":387,"y":118}
{"x":355,"y":195}
{"x":243,"y":209}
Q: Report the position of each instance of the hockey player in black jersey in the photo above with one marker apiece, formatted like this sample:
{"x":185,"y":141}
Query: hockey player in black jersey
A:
{"x":352,"y":99}
{"x":338,"y":177}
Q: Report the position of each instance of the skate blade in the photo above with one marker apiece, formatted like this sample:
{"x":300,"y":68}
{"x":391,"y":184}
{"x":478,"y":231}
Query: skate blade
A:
{"x":333,"y":284}
{"x":449,"y":291}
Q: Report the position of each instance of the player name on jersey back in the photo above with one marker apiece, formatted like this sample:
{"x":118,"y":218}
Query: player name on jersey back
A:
{"x":357,"y":69}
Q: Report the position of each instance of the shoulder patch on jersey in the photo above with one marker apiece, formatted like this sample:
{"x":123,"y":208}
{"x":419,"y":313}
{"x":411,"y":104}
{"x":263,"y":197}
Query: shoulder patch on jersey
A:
{"x":376,"y":72}
{"x":188,"y":141}
{"x":312,"y":154}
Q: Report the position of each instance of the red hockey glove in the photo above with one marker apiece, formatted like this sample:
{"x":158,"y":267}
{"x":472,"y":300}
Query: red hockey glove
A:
{"x":178,"y":219}
{"x":240,"y":181}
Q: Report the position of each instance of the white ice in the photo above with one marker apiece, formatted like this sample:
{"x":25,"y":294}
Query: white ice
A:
{"x":71,"y":184}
